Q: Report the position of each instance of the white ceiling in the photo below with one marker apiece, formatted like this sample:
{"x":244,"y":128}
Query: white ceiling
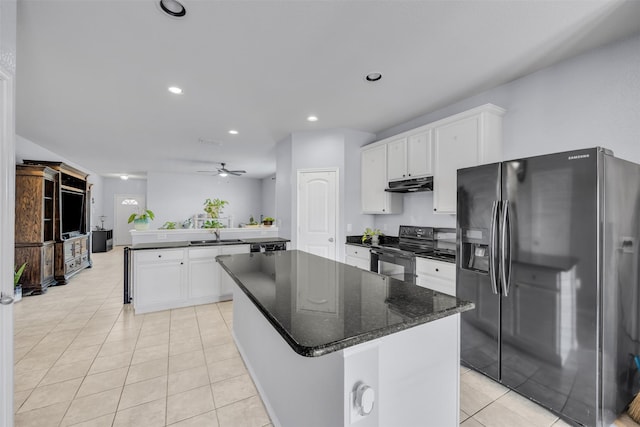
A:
{"x":92,"y":75}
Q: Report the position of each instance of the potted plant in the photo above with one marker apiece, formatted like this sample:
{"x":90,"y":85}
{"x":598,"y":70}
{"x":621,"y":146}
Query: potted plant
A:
{"x":169,"y":225}
{"x":17,"y":287}
{"x":268,"y":221}
{"x":141,"y":221}
{"x":214,"y":207}
{"x":372,"y":235}
{"x":252,"y":223}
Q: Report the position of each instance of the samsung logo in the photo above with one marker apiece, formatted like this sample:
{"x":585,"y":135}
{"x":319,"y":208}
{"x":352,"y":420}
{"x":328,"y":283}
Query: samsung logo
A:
{"x":579,"y":156}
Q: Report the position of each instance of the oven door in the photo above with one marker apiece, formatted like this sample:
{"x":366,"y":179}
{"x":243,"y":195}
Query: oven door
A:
{"x":398,"y":266}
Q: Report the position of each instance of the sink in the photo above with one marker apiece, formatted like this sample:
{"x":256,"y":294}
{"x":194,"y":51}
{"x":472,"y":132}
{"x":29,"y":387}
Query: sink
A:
{"x":215,"y":242}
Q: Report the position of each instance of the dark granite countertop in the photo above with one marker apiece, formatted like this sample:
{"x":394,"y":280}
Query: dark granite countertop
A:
{"x":160,"y":245}
{"x":320,"y":306}
{"x":266,"y":240}
{"x":184,"y":244}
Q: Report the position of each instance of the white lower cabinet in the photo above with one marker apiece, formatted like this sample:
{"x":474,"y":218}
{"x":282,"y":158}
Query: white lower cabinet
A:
{"x":180,"y":277}
{"x":437,"y":275}
{"x":357,"y":256}
{"x":159,"y":278}
{"x":203,"y":273}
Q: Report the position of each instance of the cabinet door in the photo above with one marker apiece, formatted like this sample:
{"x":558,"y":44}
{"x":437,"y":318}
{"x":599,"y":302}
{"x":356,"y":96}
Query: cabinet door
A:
{"x":158,"y":278}
{"x":226,"y":282}
{"x":456,"y":146}
{"x":397,"y":159}
{"x":47,"y":269}
{"x":437,"y":275}
{"x":204,"y":273}
{"x":159,"y":282}
{"x":373,"y":182}
{"x":419,"y":162}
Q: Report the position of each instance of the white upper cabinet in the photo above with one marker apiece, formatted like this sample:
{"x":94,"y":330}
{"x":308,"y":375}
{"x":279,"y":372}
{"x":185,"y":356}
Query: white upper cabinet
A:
{"x":438,"y":149}
{"x":397,"y":159}
{"x":374,"y":181}
{"x":409,"y":157}
{"x":419,"y":157}
{"x":468,"y":139}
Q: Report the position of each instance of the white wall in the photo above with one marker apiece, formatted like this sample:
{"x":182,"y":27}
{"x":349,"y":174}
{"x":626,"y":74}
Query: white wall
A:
{"x":284,"y":178}
{"x":26,"y":149}
{"x":353,"y":222}
{"x":589,"y":100}
{"x":176,"y":197}
{"x":268,"y":197}
{"x":113,"y":186}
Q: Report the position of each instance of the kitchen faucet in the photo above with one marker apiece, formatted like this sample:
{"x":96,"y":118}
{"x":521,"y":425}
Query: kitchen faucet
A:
{"x":217,"y":233}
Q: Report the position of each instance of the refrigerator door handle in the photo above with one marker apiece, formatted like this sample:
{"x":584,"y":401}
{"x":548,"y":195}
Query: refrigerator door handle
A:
{"x":505,"y":257}
{"x":492,"y":247}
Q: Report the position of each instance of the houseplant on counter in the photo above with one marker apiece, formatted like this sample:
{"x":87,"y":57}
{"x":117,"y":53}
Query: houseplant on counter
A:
{"x":268,"y":221}
{"x":17,"y":287}
{"x":214,"y":207}
{"x":141,"y":221}
{"x":372,"y":235}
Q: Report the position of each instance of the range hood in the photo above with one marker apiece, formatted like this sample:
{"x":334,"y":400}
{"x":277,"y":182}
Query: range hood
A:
{"x":411,"y":185}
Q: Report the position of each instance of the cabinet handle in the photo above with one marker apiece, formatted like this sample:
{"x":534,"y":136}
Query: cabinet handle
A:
{"x":403,"y":175}
{"x":435,"y":209}
{"x":409,"y":174}
{"x":159,"y":256}
{"x":182,"y":263}
{"x":382,"y":210}
{"x":437,"y":269}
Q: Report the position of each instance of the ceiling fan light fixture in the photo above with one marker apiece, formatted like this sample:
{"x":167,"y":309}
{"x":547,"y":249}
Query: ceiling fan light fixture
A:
{"x":173,"y":8}
{"x":124,"y":177}
{"x":233,"y":132}
{"x":223,"y":174}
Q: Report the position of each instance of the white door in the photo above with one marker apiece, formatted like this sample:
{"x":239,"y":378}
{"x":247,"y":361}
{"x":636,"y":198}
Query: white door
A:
{"x":7,"y":213}
{"x":318,"y":212}
{"x":125,"y":205}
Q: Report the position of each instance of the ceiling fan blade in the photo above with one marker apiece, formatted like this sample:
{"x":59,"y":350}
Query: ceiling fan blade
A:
{"x":216,"y":172}
{"x":237,"y":172}
{"x":234,"y":173}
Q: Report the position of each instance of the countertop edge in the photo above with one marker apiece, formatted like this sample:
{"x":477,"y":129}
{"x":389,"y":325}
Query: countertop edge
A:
{"x":186,"y":244}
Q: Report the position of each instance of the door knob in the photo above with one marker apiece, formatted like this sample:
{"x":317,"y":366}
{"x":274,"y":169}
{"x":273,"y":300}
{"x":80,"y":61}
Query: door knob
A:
{"x":331,"y":239}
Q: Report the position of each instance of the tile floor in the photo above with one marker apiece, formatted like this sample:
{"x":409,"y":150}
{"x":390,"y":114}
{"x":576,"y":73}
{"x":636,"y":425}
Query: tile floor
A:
{"x":84,"y":359}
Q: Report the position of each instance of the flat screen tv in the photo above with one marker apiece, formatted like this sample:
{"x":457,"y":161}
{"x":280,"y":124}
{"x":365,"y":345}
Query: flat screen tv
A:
{"x":72,"y":213}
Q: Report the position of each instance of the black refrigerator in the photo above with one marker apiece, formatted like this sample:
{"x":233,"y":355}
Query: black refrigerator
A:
{"x":547,"y":249}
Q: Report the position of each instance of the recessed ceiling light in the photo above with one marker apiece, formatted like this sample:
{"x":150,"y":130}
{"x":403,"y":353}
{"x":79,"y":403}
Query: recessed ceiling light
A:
{"x":373,"y":77}
{"x":173,"y":8}
{"x":312,"y":118}
{"x":175,"y":89}
{"x":124,"y":177}
{"x":233,"y":132}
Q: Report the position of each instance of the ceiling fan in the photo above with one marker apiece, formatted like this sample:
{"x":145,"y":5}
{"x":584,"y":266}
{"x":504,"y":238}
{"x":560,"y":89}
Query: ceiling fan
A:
{"x":223,"y":171}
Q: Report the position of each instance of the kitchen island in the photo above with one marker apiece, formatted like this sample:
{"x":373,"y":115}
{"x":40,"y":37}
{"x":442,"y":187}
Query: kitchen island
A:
{"x":328,"y":344}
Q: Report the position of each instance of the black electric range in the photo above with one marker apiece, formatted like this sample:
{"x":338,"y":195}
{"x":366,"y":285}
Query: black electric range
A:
{"x":397,"y":258}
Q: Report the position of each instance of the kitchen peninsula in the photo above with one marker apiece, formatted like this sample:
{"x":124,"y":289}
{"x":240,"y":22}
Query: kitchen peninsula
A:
{"x":167,"y":269}
{"x":328,"y":344}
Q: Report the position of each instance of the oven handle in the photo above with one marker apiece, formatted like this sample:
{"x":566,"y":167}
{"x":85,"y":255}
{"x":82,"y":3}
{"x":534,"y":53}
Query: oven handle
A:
{"x":393,"y":254}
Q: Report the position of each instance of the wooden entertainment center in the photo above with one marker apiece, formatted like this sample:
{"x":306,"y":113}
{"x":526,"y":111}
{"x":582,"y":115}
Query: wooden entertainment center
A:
{"x":52,"y":227}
